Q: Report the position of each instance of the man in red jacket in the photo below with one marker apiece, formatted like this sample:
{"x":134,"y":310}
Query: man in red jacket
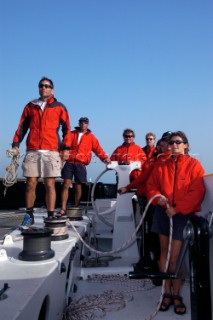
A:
{"x":83,"y":143}
{"x":43,"y":117}
{"x":129,"y":151}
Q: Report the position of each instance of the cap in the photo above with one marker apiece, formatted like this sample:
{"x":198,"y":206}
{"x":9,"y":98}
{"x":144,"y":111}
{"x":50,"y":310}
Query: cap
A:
{"x":84,"y":119}
{"x":166,"y":135}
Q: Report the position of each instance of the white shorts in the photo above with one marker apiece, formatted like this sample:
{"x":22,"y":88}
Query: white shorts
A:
{"x":42,"y":164}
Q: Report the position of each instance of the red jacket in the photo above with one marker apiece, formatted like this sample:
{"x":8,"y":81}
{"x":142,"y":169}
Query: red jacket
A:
{"x":127,"y":153}
{"x":180,"y":180}
{"x":140,"y":182}
{"x":150,"y":151}
{"x":82,"y":152}
{"x":44,"y":126}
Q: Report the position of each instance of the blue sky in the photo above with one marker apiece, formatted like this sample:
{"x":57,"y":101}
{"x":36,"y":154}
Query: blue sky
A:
{"x":142,"y":64}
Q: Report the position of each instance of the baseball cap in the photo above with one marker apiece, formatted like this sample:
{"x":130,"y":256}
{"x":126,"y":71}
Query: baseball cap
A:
{"x":166,"y":135}
{"x":84,"y":119}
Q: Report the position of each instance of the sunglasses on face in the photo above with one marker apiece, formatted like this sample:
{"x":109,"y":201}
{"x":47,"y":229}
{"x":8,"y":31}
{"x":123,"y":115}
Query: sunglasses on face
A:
{"x":83,"y":122}
{"x":149,"y":138}
{"x":176,"y":142}
{"x":128,"y":136}
{"x":47,"y":86}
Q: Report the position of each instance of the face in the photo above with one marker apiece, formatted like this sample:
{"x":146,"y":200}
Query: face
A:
{"x":83,"y":126}
{"x":129,"y":137}
{"x":177,"y":145}
{"x":150,"y":141}
{"x":45,"y":90}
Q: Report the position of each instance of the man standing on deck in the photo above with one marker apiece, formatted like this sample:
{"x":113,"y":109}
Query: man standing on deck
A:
{"x":83,"y":143}
{"x":43,"y":118}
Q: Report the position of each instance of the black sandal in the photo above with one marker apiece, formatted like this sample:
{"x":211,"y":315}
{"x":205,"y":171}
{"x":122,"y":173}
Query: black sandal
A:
{"x":180,"y":304}
{"x":61,"y":213}
{"x":165,"y":305}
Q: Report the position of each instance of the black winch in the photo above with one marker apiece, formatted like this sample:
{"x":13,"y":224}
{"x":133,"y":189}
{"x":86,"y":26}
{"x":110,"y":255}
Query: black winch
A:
{"x":75,"y":213}
{"x":36,"y":244}
{"x":58,"y":227}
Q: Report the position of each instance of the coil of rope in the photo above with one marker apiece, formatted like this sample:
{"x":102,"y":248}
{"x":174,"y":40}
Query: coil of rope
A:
{"x":11,"y":171}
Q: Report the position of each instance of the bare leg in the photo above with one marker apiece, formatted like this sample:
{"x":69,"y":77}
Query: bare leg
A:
{"x":30,"y":194}
{"x":78,"y":193}
{"x":65,"y":193}
{"x":164,"y":241}
{"x":175,"y":251}
{"x":50,"y":195}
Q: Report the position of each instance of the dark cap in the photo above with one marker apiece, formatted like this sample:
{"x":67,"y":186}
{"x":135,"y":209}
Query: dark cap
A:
{"x":84,"y":119}
{"x":166,"y":135}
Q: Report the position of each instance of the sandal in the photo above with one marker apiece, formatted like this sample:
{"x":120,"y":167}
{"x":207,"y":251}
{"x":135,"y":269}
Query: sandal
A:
{"x":179,"y":305}
{"x":164,"y":304}
{"x":61,"y":213}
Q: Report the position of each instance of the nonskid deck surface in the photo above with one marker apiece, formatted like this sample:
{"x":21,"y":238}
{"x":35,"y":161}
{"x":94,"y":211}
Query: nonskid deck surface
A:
{"x":119,"y":298}
{"x":9,"y":220}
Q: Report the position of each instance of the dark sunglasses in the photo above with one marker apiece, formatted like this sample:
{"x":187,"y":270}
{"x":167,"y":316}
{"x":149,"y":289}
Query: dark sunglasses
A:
{"x":175,"y":141}
{"x":128,"y":136}
{"x":83,"y":121}
{"x":47,"y":86}
{"x":149,"y":138}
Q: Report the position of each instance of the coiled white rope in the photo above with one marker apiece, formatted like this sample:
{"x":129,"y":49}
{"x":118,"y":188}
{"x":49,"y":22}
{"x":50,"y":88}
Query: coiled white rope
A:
{"x":11,"y":171}
{"x":94,"y":306}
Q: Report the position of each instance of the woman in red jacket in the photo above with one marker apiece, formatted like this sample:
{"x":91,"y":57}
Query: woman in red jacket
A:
{"x":180,"y":180}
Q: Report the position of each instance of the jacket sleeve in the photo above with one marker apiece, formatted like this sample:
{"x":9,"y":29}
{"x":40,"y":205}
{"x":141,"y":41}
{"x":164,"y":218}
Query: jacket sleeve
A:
{"x":153,"y":186}
{"x":97,"y":149}
{"x":191,"y":201}
{"x":142,"y":156}
{"x":115,"y":155}
{"x":23,"y":127}
{"x":65,"y":125}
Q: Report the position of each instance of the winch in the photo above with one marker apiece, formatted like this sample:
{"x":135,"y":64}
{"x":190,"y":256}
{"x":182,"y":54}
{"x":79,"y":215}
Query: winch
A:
{"x":58,"y":227}
{"x":36,"y":244}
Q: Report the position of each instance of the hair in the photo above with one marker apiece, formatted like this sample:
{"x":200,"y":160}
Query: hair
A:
{"x":183,"y":137}
{"x":150,"y":134}
{"x":158,"y":142}
{"x":128,"y":131}
{"x":46,"y":79}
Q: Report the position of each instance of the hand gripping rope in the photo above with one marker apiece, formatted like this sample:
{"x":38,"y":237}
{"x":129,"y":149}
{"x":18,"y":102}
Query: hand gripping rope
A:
{"x":11,"y":174}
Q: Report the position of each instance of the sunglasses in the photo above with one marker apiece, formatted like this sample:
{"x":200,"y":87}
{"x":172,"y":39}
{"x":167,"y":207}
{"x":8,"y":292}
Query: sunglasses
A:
{"x":149,"y":138}
{"x":128,"y":136}
{"x":175,"y":141}
{"x":83,"y":122}
{"x":47,"y":86}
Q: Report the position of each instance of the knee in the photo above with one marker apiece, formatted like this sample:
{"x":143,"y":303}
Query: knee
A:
{"x":31,"y":185}
{"x":66,"y":185}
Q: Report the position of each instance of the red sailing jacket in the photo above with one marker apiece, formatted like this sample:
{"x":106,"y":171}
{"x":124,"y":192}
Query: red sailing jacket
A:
{"x":82,"y":152}
{"x":129,"y":152}
{"x":44,"y":126}
{"x":180,"y":180}
{"x":150,"y":151}
{"x":140,"y":182}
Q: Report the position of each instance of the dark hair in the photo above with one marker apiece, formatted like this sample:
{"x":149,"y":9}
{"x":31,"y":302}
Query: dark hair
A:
{"x":183,"y":137}
{"x":46,"y":79}
{"x":128,"y":131}
{"x":166,"y":135}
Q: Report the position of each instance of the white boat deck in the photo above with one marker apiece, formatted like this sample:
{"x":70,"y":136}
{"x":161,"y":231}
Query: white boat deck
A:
{"x":104,"y":289}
